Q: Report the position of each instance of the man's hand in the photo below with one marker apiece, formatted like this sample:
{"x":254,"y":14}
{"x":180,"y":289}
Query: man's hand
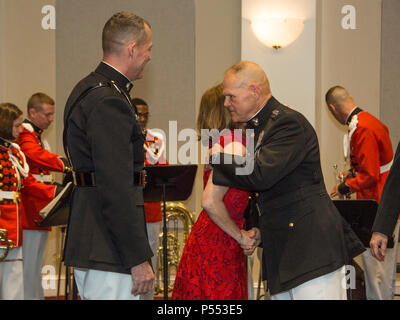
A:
{"x":343,"y":175}
{"x":335,"y":191}
{"x":142,"y":278}
{"x":255,"y":235}
{"x":378,"y":244}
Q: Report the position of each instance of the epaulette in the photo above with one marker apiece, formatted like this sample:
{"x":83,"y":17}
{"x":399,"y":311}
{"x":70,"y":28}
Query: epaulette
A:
{"x":28,"y":127}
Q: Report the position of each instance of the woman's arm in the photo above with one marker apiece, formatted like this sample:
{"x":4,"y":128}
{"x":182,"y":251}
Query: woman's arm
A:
{"x":212,"y":203}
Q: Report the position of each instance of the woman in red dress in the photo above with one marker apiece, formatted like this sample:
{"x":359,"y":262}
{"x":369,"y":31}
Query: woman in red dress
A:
{"x":212,"y":266}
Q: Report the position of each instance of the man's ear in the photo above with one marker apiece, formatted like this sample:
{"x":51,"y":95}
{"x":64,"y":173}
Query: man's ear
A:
{"x":131,"y":48}
{"x":31,"y":112}
{"x":255,"y":90}
{"x":332,"y":107}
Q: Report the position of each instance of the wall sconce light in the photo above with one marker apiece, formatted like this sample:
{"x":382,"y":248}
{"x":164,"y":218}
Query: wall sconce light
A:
{"x":277,"y":32}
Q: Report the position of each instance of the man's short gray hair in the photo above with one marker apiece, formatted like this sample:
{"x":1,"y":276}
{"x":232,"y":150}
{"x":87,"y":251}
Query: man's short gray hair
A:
{"x":336,"y":96}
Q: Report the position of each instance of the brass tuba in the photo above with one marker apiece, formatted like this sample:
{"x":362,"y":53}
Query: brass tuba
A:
{"x":179,"y":223}
{"x":5,"y":244}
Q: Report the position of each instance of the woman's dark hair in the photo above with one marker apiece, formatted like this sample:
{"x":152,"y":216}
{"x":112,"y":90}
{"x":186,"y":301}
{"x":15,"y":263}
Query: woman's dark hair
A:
{"x":8,"y":114}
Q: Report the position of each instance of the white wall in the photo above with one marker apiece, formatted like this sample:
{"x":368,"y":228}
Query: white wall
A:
{"x":324,"y":55}
{"x":27,"y":60}
{"x":218,"y":44}
{"x":27,"y":65}
{"x":390,"y":70}
{"x":291,"y":70}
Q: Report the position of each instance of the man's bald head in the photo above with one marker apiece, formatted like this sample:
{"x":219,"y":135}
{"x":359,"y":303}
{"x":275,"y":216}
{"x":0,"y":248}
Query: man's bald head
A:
{"x":250,"y":73}
{"x":337,"y":95}
{"x":246,"y":90}
{"x":339,"y":102}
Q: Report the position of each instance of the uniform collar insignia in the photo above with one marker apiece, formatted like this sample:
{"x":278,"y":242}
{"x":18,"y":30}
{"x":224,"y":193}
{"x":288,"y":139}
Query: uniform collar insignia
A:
{"x":255,"y":122}
{"x":35,"y":127}
{"x":259,"y":120}
{"x":356,"y":111}
{"x":129,"y":86}
{"x":110,"y":72}
{"x":274,"y":113}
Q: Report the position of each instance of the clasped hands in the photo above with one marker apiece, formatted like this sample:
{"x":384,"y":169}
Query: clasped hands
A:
{"x":250,"y":240}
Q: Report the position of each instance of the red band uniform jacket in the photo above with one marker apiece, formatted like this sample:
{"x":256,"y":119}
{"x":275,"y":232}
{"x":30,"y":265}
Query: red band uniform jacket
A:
{"x":41,"y":161}
{"x":303,"y":234}
{"x":371,"y":155}
{"x":15,"y":182}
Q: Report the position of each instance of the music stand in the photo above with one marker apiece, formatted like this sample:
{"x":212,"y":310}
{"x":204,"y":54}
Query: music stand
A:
{"x":168,"y":183}
{"x":360,"y":214}
{"x":59,"y":218}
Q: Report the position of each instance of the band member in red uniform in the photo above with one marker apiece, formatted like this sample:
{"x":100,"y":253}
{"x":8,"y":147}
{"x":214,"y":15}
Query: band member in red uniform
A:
{"x":370,"y":151}
{"x":41,"y":110}
{"x":154,"y":148}
{"x":14,"y":179}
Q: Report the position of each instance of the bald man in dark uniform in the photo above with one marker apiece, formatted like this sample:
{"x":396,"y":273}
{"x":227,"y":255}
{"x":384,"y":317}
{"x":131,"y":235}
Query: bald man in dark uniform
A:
{"x":306,"y":243}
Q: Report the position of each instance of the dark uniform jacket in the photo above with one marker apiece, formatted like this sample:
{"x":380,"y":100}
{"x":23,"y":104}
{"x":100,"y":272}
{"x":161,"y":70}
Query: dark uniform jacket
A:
{"x":303,"y":235}
{"x":106,"y":229}
{"x":389,"y":206}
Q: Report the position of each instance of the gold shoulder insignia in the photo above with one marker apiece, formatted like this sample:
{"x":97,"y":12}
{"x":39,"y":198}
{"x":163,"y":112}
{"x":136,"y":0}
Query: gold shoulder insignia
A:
{"x":274,"y":114}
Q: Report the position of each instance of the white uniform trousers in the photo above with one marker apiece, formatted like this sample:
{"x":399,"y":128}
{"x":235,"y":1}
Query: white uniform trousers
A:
{"x":250,"y":280}
{"x":103,"y":285}
{"x":11,"y":275}
{"x":257,"y":255}
{"x":33,"y":248}
{"x":327,"y":287}
{"x":153,"y":232}
{"x":380,"y":277}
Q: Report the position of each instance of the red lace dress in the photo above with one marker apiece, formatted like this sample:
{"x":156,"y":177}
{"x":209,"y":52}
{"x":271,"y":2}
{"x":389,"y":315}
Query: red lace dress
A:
{"x":212,"y":265}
